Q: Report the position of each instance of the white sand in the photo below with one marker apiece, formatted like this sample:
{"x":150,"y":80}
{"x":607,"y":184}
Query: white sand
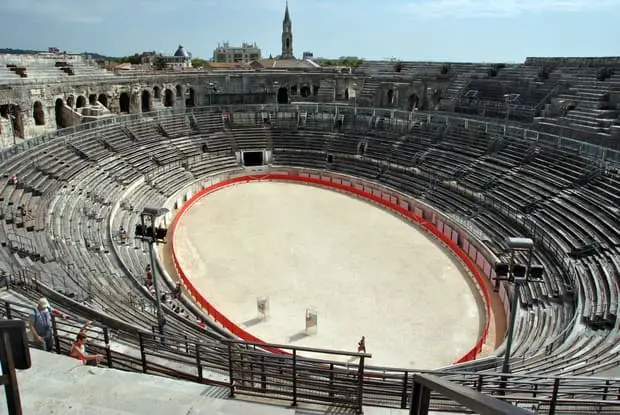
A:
{"x":364,"y":270}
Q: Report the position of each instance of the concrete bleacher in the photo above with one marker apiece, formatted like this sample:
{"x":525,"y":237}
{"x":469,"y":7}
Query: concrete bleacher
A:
{"x":49,"y":67}
{"x":80,"y":192}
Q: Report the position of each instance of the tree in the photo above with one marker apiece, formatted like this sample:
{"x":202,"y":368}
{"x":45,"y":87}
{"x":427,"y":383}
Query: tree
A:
{"x":134,"y":59}
{"x":199,"y":63}
{"x":350,"y":61}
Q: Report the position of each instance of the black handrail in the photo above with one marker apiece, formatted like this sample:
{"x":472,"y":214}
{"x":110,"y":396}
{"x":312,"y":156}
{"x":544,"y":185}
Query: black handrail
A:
{"x":246,"y":369}
{"x":473,"y":400}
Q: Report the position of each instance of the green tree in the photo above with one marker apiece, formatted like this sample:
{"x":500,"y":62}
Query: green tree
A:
{"x":134,"y":59}
{"x":351,"y":61}
{"x":199,"y":63}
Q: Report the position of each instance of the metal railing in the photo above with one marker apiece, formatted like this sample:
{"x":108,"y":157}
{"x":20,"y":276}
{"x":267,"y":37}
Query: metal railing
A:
{"x":244,"y":368}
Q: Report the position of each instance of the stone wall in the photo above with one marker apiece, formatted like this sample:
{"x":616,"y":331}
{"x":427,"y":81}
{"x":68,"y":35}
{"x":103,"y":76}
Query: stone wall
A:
{"x":152,"y":92}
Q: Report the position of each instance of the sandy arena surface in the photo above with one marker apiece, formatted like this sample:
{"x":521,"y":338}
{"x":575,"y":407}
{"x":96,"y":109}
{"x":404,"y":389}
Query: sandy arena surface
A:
{"x":364,"y":271}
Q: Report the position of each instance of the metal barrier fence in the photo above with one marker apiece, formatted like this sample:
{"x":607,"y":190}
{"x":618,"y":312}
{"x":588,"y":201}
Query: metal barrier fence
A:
{"x":401,"y":121}
{"x":244,"y":368}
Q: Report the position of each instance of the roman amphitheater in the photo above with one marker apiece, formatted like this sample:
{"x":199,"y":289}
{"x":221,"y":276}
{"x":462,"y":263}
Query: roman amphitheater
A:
{"x":429,"y":207}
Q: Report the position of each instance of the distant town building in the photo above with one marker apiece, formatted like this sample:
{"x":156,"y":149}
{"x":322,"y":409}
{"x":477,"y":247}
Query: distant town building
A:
{"x":180,"y":60}
{"x":308,"y":55}
{"x":224,"y":53}
{"x":53,"y":50}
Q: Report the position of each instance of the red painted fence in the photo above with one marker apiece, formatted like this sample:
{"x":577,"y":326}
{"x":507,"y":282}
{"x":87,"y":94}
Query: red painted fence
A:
{"x":390,"y":202}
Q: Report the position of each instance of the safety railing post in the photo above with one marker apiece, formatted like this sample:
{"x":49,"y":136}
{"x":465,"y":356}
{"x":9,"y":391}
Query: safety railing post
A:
{"x":108,"y":351}
{"x":142,"y":352}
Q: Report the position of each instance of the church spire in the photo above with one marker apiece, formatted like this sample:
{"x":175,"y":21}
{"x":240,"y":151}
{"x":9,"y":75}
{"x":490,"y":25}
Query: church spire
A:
{"x":287,"y":17}
{"x":287,"y":35}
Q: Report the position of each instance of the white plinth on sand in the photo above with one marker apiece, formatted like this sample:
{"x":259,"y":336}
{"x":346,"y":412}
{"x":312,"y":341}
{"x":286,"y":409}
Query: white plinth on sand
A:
{"x":365,"y":271}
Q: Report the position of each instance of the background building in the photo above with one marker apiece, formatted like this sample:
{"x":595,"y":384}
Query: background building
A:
{"x":245,"y":53}
{"x":180,"y":60}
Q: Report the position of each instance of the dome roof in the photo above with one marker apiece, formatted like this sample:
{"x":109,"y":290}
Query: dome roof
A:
{"x":181,"y":52}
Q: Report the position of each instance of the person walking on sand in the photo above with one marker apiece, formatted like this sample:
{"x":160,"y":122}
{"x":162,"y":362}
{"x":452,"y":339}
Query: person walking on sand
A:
{"x":361,"y":345}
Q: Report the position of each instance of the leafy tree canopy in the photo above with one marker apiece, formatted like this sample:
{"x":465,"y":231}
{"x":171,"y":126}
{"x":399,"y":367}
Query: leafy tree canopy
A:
{"x":134,"y":59}
{"x":198,"y":63}
{"x":352,"y":61}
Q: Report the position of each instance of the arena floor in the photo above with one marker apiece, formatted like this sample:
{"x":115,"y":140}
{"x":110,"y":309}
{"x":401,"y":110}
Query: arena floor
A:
{"x":365,"y":271}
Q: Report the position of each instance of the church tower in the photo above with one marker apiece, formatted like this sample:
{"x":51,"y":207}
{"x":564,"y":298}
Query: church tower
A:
{"x":287,"y":36}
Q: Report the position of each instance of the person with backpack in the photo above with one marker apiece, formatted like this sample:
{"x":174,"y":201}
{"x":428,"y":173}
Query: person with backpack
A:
{"x":41,"y":324}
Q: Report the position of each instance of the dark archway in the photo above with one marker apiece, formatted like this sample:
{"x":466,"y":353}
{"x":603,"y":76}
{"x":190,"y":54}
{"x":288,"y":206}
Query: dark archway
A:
{"x":70,"y":101}
{"x":315,"y":89}
{"x":17,"y":121}
{"x":147,"y":101}
{"x":191,"y":99}
{"x":123,"y":102}
{"x":412,"y":102}
{"x":304,"y":91}
{"x":38,"y":113}
{"x":346,"y":93}
{"x":157,"y":92}
{"x":81,"y":102}
{"x":390,"y":96}
{"x":103,"y":100}
{"x":179,"y":91}
{"x":168,"y":98}
{"x":60,"y":118}
{"x":282,"y":95}
{"x":92,"y":99}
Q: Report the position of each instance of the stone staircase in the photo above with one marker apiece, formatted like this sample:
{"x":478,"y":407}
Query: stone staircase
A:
{"x":327,"y":90}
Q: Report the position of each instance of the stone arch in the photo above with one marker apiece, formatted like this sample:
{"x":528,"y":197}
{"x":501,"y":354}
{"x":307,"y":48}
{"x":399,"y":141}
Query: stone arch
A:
{"x":413,"y":102}
{"x":123,"y":102}
{"x":179,"y":90}
{"x":304,"y":91}
{"x":80,"y":102}
{"x":92,"y":99}
{"x":146,"y":101}
{"x":156,"y":92}
{"x":103,"y":100}
{"x":191,"y":99}
{"x":70,"y":101}
{"x":17,"y":120}
{"x":61,"y":121}
{"x":390,"y":96}
{"x":282,"y":95}
{"x":38,"y":113}
{"x":168,"y":98}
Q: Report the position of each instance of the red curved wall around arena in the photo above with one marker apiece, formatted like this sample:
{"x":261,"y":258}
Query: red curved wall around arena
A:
{"x":328,"y":183}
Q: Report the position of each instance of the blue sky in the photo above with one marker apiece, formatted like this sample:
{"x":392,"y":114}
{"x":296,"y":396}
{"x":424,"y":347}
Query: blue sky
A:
{"x":450,"y":30}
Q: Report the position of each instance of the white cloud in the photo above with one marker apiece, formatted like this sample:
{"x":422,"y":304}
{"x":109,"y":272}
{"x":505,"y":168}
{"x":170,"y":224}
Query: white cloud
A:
{"x":426,"y":9}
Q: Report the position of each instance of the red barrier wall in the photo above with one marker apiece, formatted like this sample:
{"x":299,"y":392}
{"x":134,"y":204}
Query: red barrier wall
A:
{"x":389,"y":203}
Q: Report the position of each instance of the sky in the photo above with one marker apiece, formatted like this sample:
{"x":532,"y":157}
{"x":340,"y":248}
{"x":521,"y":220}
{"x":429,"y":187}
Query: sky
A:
{"x":436,"y":30}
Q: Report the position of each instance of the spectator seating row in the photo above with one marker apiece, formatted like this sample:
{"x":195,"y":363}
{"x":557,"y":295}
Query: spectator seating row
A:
{"x":78,"y":194}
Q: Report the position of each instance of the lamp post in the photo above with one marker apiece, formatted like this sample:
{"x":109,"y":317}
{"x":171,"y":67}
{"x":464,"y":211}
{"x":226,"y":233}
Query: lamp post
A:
{"x":517,"y":274}
{"x":148,"y":231}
